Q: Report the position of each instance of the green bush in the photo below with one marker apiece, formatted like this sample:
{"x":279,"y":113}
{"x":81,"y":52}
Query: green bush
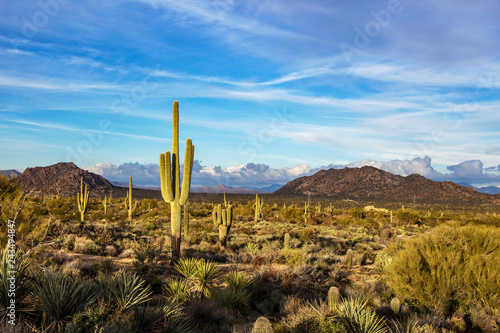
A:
{"x":447,"y":266}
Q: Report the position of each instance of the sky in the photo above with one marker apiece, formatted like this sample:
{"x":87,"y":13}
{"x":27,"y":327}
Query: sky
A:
{"x":269,"y":90}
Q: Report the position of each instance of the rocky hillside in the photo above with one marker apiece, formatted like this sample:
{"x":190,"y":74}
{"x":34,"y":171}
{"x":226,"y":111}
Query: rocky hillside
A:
{"x":372,"y":183}
{"x":62,"y":179}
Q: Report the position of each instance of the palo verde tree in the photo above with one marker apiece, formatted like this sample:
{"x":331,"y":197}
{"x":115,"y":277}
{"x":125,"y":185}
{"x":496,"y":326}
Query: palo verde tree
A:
{"x":171,"y":183}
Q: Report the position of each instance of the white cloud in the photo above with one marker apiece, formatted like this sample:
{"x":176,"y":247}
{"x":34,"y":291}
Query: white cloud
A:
{"x":261,"y":175}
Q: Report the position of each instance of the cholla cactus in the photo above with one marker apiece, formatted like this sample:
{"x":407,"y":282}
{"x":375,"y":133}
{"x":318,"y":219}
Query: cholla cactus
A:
{"x":83,"y":200}
{"x":223,"y":218}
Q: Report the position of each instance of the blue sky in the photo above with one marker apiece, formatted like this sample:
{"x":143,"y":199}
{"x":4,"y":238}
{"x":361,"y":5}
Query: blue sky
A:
{"x":268,"y":90}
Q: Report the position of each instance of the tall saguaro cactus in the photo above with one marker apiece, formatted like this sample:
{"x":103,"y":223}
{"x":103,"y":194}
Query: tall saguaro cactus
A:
{"x":128,"y":200}
{"x":171,"y":183}
{"x":223,"y":218}
{"x":83,"y":200}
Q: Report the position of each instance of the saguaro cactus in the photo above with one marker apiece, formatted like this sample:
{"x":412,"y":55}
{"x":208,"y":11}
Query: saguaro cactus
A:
{"x":185,"y":217}
{"x":83,"y":200}
{"x":223,"y":218}
{"x":257,"y":206}
{"x":171,"y":183}
{"x":287,"y":241}
{"x":128,"y":201}
{"x":105,"y":204}
{"x":306,"y":211}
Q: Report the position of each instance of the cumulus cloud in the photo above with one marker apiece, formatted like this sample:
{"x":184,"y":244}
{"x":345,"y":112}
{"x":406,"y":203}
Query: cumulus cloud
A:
{"x":259,"y":175}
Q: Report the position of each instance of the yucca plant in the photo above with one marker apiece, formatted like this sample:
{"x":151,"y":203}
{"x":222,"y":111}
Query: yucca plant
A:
{"x":251,"y":248}
{"x":59,"y":296}
{"x":238,"y":281}
{"x":177,"y":290}
{"x":165,"y":317}
{"x":200,"y":273}
{"x":125,"y":290}
{"x":358,"y":318}
{"x":238,"y":300}
{"x":17,"y":275}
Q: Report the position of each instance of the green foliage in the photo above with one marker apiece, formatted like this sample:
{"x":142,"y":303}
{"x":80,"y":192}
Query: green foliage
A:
{"x":449,"y":264}
{"x":238,"y":280}
{"x":13,"y":275}
{"x":125,"y":290}
{"x":358,"y":318}
{"x":58,"y":296}
{"x":177,"y":290}
{"x":200,"y":274}
{"x":238,"y":300}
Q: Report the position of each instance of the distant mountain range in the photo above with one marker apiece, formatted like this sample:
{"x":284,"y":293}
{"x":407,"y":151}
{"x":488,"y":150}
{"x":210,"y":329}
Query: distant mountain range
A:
{"x":10,"y":173}
{"x":221,"y":188}
{"x":372,"y":183}
{"x":349,"y":183}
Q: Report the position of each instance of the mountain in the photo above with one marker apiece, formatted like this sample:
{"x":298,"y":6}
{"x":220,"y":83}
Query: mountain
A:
{"x":10,"y":173}
{"x":372,"y":183}
{"x":489,"y":189}
{"x":61,"y":179}
{"x":125,"y":184}
{"x":221,"y":188}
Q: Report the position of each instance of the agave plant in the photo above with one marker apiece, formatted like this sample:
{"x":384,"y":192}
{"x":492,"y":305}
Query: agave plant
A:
{"x":200,"y":274}
{"x":358,"y":318}
{"x":16,"y":274}
{"x":125,"y":290}
{"x":59,"y":296}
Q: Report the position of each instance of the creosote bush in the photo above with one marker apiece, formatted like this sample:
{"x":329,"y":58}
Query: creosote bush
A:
{"x":449,"y":265}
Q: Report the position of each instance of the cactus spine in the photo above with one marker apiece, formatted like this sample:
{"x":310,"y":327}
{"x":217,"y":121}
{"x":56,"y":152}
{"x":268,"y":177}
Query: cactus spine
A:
{"x":83,"y":200}
{"x":128,"y":200}
{"x":287,"y":241}
{"x":257,"y":206}
{"x":348,"y":259}
{"x":185,"y":217}
{"x":171,"y":183}
{"x":333,"y":299}
{"x":223,"y":218}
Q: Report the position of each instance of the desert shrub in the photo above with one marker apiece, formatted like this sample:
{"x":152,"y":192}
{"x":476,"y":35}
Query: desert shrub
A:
{"x":449,"y":265}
